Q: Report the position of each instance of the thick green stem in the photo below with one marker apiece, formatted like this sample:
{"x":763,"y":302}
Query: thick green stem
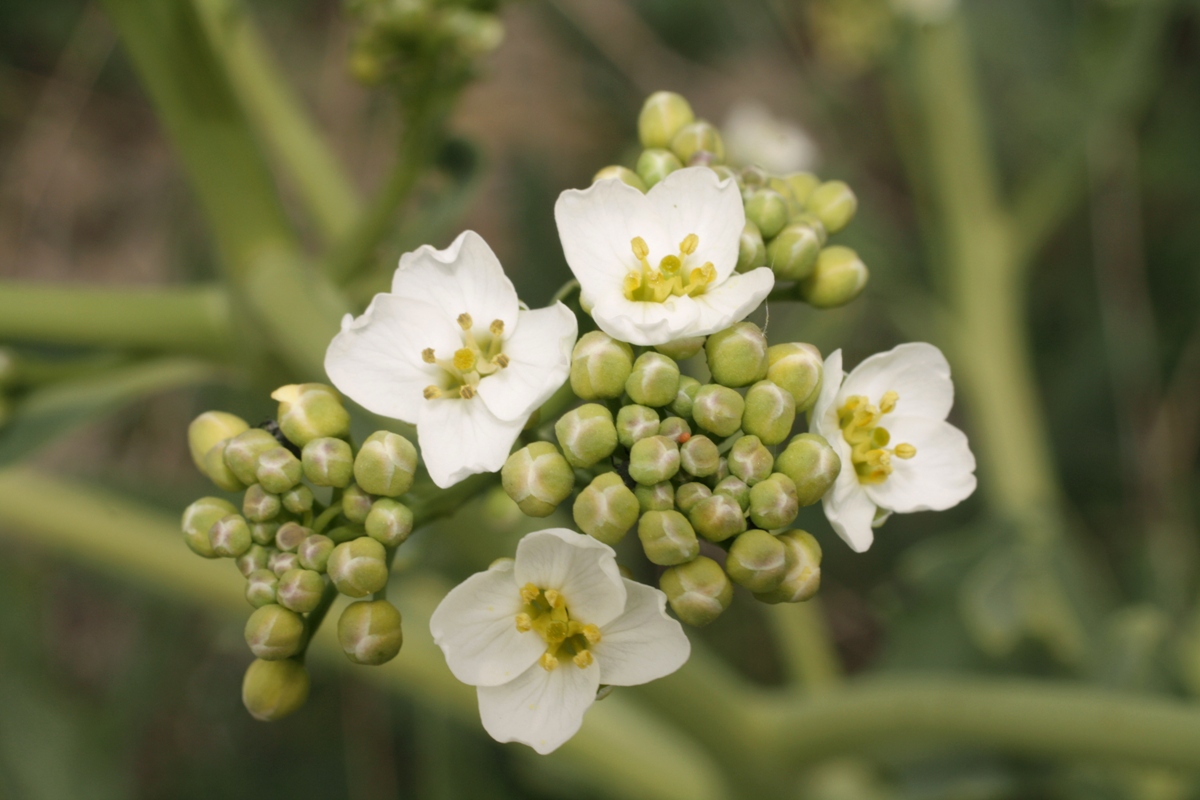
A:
{"x":804,"y":645}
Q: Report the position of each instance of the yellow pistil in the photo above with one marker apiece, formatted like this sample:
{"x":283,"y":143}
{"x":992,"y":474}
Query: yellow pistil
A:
{"x":671,"y":278}
{"x":470,"y":363}
{"x":868,"y":439}
{"x":464,"y":359}
{"x":567,"y":640}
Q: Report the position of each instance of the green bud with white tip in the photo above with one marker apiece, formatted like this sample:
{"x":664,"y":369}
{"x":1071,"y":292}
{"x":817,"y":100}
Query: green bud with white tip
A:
{"x":838,"y":277}
{"x":537,"y":478}
{"x":586,"y":434}
{"x":773,"y":502}
{"x":662,"y":116}
{"x":206,"y":430}
{"x":657,"y":497}
{"x":328,"y":462}
{"x":770,"y":413}
{"x":689,"y":494}
{"x":370,"y":632}
{"x":698,"y":591}
{"x":654,"y":164}
{"x":260,"y":587}
{"x":635,"y":423}
{"x":752,"y":251}
{"x":310,"y":411}
{"x":796,"y":367}
{"x":750,"y":460}
{"x":812,"y":465}
{"x":358,"y":567}
{"x":273,"y":689}
{"x":695,"y":138}
{"x":802,"y":574}
{"x":390,"y":522}
{"x":834,"y":204}
{"x":737,"y":356}
{"x":259,"y":505}
{"x":254,"y":559}
{"x":718,"y":409}
{"x":768,"y":210}
{"x":298,"y":500}
{"x":681,"y":349}
{"x":757,"y":560}
{"x":218,"y":471}
{"x":290,"y":535}
{"x":717,"y":517}
{"x":281,"y":562}
{"x":385,"y":464}
{"x":356,"y":504}
{"x":242,"y":452}
{"x":198,"y":519}
{"x":600,"y":365}
{"x":735,"y":487}
{"x":685,"y":397}
{"x":623,"y":174}
{"x":653,"y":381}
{"x":263,"y":533}
{"x":313,"y":553}
{"x":793,"y":253}
{"x":676,"y":429}
{"x":274,"y":632}
{"x":278,"y":470}
{"x":802,"y":185}
{"x":667,"y":538}
{"x":653,"y":460}
{"x":229,"y":536}
{"x":606,"y":509}
{"x":300,"y":590}
{"x":699,"y":457}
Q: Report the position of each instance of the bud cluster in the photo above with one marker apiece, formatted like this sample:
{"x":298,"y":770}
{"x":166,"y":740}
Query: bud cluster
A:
{"x":318,"y":518}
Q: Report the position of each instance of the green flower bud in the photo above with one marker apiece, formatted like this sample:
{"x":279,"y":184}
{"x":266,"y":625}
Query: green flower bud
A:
{"x":635,"y":423}
{"x":310,"y":411}
{"x":658,"y":497}
{"x":698,"y":591}
{"x":793,"y":253}
{"x":834,"y":204}
{"x":770,"y":412}
{"x":689,"y":494}
{"x":802,"y":185}
{"x":358,"y":567}
{"x":725,"y":173}
{"x":675,"y":429}
{"x":653,"y":460}
{"x":838,"y":278}
{"x":586,"y":434}
{"x":667,"y":537}
{"x":802,"y":575}
{"x":298,"y":499}
{"x":290,"y":535}
{"x":356,"y":504}
{"x":717,"y":517}
{"x":811,"y":464}
{"x":606,"y":509}
{"x":254,"y":559}
{"x":662,"y":116}
{"x":654,"y":380}
{"x":810,"y":220}
{"x":798,"y":368}
{"x":242,"y":452}
{"x":385,"y":464}
{"x":681,"y":349}
{"x":300,"y":590}
{"x":537,"y":478}
{"x":600,"y":365}
{"x":685,"y":397}
{"x":623,"y":174}
{"x":699,"y":456}
{"x":280,"y":562}
{"x":718,"y":409}
{"x":735,"y":487}
{"x":750,"y":460}
{"x":313,"y":553}
{"x":773,"y":502}
{"x":218,"y":472}
{"x":278,"y":470}
{"x":655,"y":164}
{"x":198,"y":518}
{"x":389,"y":522}
{"x":698,"y":137}
{"x":209,"y":428}
{"x":259,"y":505}
{"x":346,"y":533}
{"x":737,"y":356}
{"x":273,"y":689}
{"x":229,"y":536}
{"x":263,"y":533}
{"x":767,"y":209}
{"x":757,"y":560}
{"x":328,"y":462}
{"x":260,"y":587}
{"x":370,"y":632}
{"x":752,"y":251}
{"x":274,"y":632}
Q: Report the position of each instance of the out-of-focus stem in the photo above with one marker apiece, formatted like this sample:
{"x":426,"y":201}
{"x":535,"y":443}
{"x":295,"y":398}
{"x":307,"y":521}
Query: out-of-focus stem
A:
{"x":804,"y":644}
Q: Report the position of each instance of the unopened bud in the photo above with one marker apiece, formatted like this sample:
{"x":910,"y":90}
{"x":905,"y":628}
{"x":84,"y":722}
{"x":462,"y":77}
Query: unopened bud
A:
{"x":278,"y":470}
{"x":328,"y":462}
{"x":281,"y":562}
{"x":198,"y":518}
{"x":838,"y":278}
{"x":676,"y":429}
{"x":685,"y":397}
{"x":658,"y":497}
{"x":389,"y":523}
{"x":698,"y":591}
{"x":735,"y":487}
{"x":300,"y":590}
{"x":385,"y":464}
{"x":654,"y":380}
{"x":290,"y":535}
{"x":298,"y":499}
{"x":802,"y":185}
{"x":773,"y":502}
{"x":209,"y":428}
{"x":681,"y":349}
{"x":737,"y":356}
{"x":218,"y":471}
{"x":655,"y":164}
{"x":586,"y":434}
{"x":718,"y":409}
{"x":698,"y":137}
{"x":662,"y":116}
{"x":274,"y":632}
{"x":259,"y":505}
{"x":600,"y":365}
{"x":310,"y":411}
{"x":263,"y":533}
{"x":750,"y":460}
{"x":260,"y":587}
{"x":370,"y":632}
{"x":358,"y":567}
{"x":606,"y":509}
{"x":667,"y":538}
{"x":793,"y":253}
{"x":230,"y":536}
{"x":689,"y":494}
{"x":623,"y":174}
{"x":717,"y":517}
{"x":752,"y":251}
{"x":273,"y":689}
{"x":653,"y":460}
{"x":770,"y":412}
{"x":254,"y":559}
{"x":767,"y":209}
{"x":242,"y":452}
{"x":537,"y":478}
{"x":802,"y":575}
{"x":313,"y":553}
{"x":757,"y":560}
{"x":834,"y":204}
{"x":356,"y":504}
{"x":797,"y":368}
{"x":635,"y":423}
{"x":811,"y":464}
{"x":699,"y":457}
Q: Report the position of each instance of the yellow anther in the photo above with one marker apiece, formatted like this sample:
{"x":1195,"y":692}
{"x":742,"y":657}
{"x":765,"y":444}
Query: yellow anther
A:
{"x":501,"y":361}
{"x":466,"y":391}
{"x":464,"y":359}
{"x":591,"y":633}
{"x":887,"y":404}
{"x":640,"y":248}
{"x":497,"y":327}
{"x":524,"y":622}
{"x":529,"y":593}
{"x":432,"y":392}
{"x":904,"y":450}
{"x":554,"y":598}
{"x":583,"y":659}
{"x":633,"y":282}
{"x":428,"y":356}
{"x":465,"y":322}
{"x":689,"y":244}
{"x":548,"y":661}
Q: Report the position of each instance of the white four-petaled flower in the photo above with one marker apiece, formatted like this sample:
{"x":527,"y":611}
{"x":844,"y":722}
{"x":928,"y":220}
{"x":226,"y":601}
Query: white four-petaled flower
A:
{"x":887,"y":421}
{"x":540,"y":634}
{"x":451,"y":350}
{"x":659,"y":266}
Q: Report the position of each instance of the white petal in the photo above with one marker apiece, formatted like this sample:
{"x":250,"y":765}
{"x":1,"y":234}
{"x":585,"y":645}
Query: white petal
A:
{"x":539,"y":708}
{"x":916,"y":371}
{"x":643,"y":644}
{"x":539,"y":353}
{"x":849,"y":509}
{"x":646,"y":324}
{"x":824,"y":411}
{"x":376,"y":359}
{"x":941,"y":475}
{"x":732,"y":301}
{"x":475,"y":625}
{"x":465,"y":277}
{"x":581,"y":568}
{"x":461,"y":437}
{"x":696,"y":200}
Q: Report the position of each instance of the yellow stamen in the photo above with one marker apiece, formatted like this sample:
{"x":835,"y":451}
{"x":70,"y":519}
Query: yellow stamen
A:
{"x":689,"y":244}
{"x":887,"y":404}
{"x":548,"y":661}
{"x":591,"y":633}
{"x":432,"y":392}
{"x":583,"y":659}
{"x":904,"y":450}
{"x":640,"y":249}
{"x":501,"y":361}
{"x":868,"y":440}
{"x":524,"y":623}
{"x":554,"y":598}
{"x":427,"y":356}
{"x":529,"y":593}
{"x":497,"y":327}
{"x":466,"y":391}
{"x":465,"y":322}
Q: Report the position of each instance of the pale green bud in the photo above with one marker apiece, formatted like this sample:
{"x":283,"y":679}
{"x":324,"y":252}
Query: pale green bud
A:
{"x":661,"y":117}
{"x":600,"y":365}
{"x":623,"y":174}
{"x":273,"y":689}
{"x":254,"y":559}
{"x":356,"y":504}
{"x":737,"y":356}
{"x":242,"y":452}
{"x":718,"y":409}
{"x":606,"y":509}
{"x":280,"y":562}
{"x":370,"y":632}
{"x":797,"y":368}
{"x":310,"y":411}
{"x":274,"y":632}
{"x":802,"y":185}
{"x":721,"y":474}
{"x":757,"y":560}
{"x":358,"y":567}
{"x":773,"y":502}
{"x":785,"y":190}
{"x":725,"y":173}
{"x":300,"y":590}
{"x":681,"y":349}
{"x":689,"y":494}
{"x":685,"y":397}
{"x":537,"y":478}
{"x":217,"y":470}
{"x":735,"y":487}
{"x":654,"y":380}
{"x":653,"y":460}
{"x":811,"y":221}
{"x":390,"y":522}
{"x":259,"y":505}
{"x":717,"y":517}
{"x":767,"y":209}
{"x":586,"y":434}
{"x":770,"y":412}
{"x":658,"y":497}
{"x":811,"y":464}
{"x":346,"y":533}
{"x":313,"y":553}
{"x":699,"y":456}
{"x":667,"y":538}
{"x":198,"y":518}
{"x":385,"y":464}
{"x":655,"y":164}
{"x":752,"y":251}
{"x":230,"y":536}
{"x":263,"y":533}
{"x":290,"y":535}
{"x":328,"y":462}
{"x":802,"y":575}
{"x":209,"y":428}
{"x":834,"y":204}
{"x":838,"y":278}
{"x":260,"y":587}
{"x":793,"y":253}
{"x":278,"y":470}
{"x":695,"y":138}
{"x":298,"y":499}
{"x":698,"y":591}
{"x":635,"y":423}
{"x":675,"y":429}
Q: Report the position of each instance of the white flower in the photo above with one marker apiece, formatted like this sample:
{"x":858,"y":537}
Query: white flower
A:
{"x":539,"y":635}
{"x":754,"y":136}
{"x":659,"y":266}
{"x":887,"y":421}
{"x":451,"y":350}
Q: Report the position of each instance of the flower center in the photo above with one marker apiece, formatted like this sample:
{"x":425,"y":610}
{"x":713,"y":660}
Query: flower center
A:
{"x":868,"y":440}
{"x":567,"y":640}
{"x":671,"y":279}
{"x":469,"y":364}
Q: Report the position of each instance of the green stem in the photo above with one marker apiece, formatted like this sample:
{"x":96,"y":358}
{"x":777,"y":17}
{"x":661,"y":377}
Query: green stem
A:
{"x":314,"y":618}
{"x":804,"y":643}
{"x":565,"y":291}
{"x":328,"y":515}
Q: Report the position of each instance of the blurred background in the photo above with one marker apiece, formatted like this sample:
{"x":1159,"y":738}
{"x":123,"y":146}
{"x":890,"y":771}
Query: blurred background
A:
{"x":1028,"y":176}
